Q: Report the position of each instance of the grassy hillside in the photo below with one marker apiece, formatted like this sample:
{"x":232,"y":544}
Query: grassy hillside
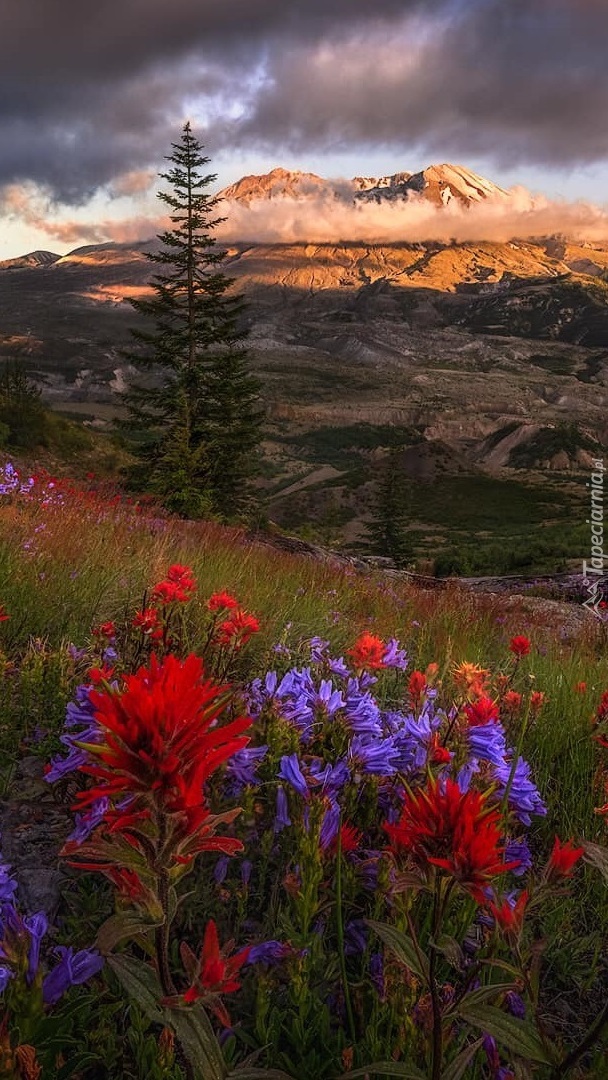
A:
{"x":74,"y":559}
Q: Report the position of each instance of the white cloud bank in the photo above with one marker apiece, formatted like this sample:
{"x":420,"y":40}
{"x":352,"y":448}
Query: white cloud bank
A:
{"x":325,"y":219}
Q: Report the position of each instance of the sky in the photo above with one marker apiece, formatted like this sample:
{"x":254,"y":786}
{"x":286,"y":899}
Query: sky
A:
{"x":93,"y":94}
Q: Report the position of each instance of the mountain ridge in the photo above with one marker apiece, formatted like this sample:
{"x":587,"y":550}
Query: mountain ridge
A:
{"x":437,"y":183}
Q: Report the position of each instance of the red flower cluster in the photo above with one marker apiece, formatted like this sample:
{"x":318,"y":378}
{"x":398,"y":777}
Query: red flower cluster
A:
{"x":3,"y":614}
{"x":563,"y":858}
{"x":350,"y":838}
{"x":148,"y":621}
{"x":602,"y":709}
{"x":417,"y":686}
{"x":178,"y":587}
{"x":98,"y":675}
{"x":368,"y":652}
{"x":511,"y":702}
{"x":105,"y":630}
{"x":161,"y":742}
{"x":510,"y":917}
{"x":454,"y":830}
{"x":222,"y":601}
{"x":520,"y":645}
{"x":480,"y":712}
{"x":237,"y":629}
{"x":600,"y":721}
{"x":214,"y":973}
{"x":438,"y":754}
{"x":159,"y":738}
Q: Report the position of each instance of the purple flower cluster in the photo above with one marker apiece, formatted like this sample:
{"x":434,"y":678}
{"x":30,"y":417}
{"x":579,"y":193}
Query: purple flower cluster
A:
{"x":11,"y":482}
{"x":21,"y":938}
{"x":374,"y":742}
{"x":80,"y":727}
{"x":523,"y":795}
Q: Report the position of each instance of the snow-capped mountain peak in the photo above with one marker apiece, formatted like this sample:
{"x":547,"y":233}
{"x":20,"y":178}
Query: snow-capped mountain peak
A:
{"x":439,"y":184}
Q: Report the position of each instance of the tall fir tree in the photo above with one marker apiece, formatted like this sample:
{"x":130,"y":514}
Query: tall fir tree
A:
{"x":195,"y":410}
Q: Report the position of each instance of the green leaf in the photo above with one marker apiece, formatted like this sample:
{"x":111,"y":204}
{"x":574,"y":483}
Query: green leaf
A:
{"x":248,"y":1072}
{"x":402,"y":946}
{"x":449,"y":947}
{"x":76,"y":1064}
{"x":126,"y":924}
{"x":141,"y":983}
{"x":597,"y":856}
{"x":481,"y":996}
{"x":386,"y":1068}
{"x":191,"y":1025}
{"x":502,"y":964}
{"x":197,"y":1037}
{"x":456,"y":1068}
{"x":518,"y":1036}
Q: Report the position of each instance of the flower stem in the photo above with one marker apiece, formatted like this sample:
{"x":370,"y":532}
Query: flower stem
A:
{"x":162,"y":948}
{"x":340,"y":936}
{"x":162,"y":931}
{"x":516,"y":756}
{"x":436,"y":1068}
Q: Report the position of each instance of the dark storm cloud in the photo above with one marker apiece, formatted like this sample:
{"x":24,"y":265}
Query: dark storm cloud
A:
{"x":91,"y":89}
{"x":105,"y":38}
{"x":89,"y":92}
{"x":516,"y":80}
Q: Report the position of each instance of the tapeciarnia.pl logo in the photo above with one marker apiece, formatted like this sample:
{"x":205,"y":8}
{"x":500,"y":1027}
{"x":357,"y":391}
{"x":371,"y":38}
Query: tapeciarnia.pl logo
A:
{"x":593,"y":571}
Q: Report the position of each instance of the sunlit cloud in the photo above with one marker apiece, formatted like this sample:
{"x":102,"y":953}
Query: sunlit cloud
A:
{"x":323,"y":218}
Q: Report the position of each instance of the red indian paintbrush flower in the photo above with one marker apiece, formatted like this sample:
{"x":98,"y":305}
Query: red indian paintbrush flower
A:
{"x":368,"y":652}
{"x":520,"y":645}
{"x":602,"y":709}
{"x":4,"y":616}
{"x":563,"y":858}
{"x":237,"y":629}
{"x":599,"y":722}
{"x":214,"y":973}
{"x":222,"y":601}
{"x":454,"y":830}
{"x":159,"y":738}
{"x":147,"y":620}
{"x":178,"y":587}
{"x":537,"y":700}
{"x":417,"y":686}
{"x":510,"y":917}
{"x":350,"y":838}
{"x":183,"y":576}
{"x":511,"y":702}
{"x":169,"y":592}
{"x":480,"y":712}
{"x":438,"y":754}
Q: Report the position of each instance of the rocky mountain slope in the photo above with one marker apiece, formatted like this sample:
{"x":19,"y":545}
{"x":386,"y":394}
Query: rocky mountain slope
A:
{"x":482,"y":358}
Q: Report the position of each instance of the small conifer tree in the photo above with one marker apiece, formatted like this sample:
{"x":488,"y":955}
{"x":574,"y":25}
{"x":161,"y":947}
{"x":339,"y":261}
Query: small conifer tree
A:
{"x":195,"y":410}
{"x":390,"y":514}
{"x":22,"y":415}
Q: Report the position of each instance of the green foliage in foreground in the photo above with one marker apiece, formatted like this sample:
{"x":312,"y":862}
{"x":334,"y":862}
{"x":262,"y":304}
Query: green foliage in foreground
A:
{"x":66,"y":567}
